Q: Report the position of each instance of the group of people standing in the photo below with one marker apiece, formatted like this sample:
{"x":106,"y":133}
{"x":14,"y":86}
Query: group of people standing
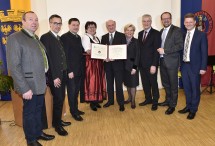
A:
{"x":67,"y":62}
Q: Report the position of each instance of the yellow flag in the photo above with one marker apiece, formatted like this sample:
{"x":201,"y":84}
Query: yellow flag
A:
{"x":20,"y":5}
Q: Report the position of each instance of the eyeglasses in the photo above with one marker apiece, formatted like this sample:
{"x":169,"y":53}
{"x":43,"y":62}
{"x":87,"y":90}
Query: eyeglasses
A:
{"x":56,"y":24}
{"x":92,"y":27}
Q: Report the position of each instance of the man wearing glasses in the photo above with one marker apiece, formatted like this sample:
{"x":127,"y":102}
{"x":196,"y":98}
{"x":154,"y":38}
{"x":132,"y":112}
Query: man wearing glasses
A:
{"x":171,"y":46}
{"x":57,"y":74}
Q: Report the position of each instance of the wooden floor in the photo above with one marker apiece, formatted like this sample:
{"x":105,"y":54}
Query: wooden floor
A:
{"x":138,"y":127}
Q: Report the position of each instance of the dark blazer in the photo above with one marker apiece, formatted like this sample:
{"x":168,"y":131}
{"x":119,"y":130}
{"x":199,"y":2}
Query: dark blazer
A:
{"x":148,"y":48}
{"x":25,"y":63}
{"x":198,"y":52}
{"x":54,"y":54}
{"x":74,"y":52}
{"x":119,"y":38}
{"x":133,"y":55}
{"x":172,"y":47}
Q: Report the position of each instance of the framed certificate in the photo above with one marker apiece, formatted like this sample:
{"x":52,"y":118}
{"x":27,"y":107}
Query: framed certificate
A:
{"x":100,"y":51}
{"x":117,"y":51}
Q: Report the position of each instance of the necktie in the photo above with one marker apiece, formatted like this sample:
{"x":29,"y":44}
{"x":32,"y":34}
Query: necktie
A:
{"x":163,"y":37}
{"x":111,"y":39}
{"x":144,"y":37}
{"x":46,"y":65}
{"x":185,"y":55}
{"x":58,"y":37}
{"x":63,"y":53}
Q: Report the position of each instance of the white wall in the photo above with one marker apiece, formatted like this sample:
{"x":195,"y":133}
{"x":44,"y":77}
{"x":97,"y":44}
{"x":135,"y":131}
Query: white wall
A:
{"x":122,"y":11}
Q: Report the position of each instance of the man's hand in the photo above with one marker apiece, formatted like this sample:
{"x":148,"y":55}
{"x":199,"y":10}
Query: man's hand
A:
{"x":107,"y":60}
{"x":160,"y":50}
{"x":202,"y":72}
{"x":57,"y":83}
{"x":133,"y":71}
{"x":71,"y":75}
{"x":152,"y":69}
{"x":27,"y":95}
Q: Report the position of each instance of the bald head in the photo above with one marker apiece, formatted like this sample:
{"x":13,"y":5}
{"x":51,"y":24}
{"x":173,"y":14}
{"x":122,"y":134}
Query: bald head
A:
{"x":111,"y":26}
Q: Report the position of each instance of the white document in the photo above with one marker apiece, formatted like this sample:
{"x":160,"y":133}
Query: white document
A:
{"x":118,"y":52}
{"x":99,"y":51}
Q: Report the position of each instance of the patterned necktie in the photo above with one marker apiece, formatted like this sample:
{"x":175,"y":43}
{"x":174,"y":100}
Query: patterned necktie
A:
{"x":186,"y":46}
{"x":144,"y":37}
{"x":111,"y":39}
{"x":46,"y":65}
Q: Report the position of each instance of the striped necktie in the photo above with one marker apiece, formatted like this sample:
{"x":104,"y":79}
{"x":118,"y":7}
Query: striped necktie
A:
{"x":186,"y":46}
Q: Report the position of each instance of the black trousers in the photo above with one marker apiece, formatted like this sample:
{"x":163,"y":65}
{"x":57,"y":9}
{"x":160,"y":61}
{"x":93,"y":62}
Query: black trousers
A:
{"x":118,"y":76}
{"x":58,"y":100}
{"x":32,"y":121}
{"x":150,"y":85}
{"x":73,"y":88}
{"x":169,"y":78}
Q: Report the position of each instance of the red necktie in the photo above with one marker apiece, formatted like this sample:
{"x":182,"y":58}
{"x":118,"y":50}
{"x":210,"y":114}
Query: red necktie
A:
{"x":144,"y":37}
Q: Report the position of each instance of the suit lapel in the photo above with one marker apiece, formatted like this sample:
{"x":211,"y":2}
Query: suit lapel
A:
{"x":169,"y":34}
{"x":195,"y":35}
{"x":107,"y":39}
{"x":141,"y":35}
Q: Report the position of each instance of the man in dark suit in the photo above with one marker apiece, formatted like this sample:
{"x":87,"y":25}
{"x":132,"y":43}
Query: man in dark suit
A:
{"x":194,"y":64}
{"x":74,"y":54}
{"x":114,"y":68}
{"x":27,"y":64}
{"x":149,"y":41}
{"x":57,"y":75}
{"x":171,"y":46}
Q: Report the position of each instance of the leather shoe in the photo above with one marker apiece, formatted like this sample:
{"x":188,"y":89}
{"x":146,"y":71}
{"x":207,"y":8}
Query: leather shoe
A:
{"x":145,"y":103}
{"x":61,"y":131}
{"x":165,"y":103}
{"x":98,"y":105}
{"x":65,"y":123}
{"x":77,"y":117}
{"x":121,"y":108}
{"x":133,"y":105}
{"x":170,"y":110}
{"x":81,"y":112}
{"x":184,"y":110}
{"x":35,"y":143}
{"x":107,"y":104}
{"x":46,"y":137}
{"x":191,"y":116}
{"x":93,"y":107}
{"x":154,"y":107}
{"x":127,"y":101}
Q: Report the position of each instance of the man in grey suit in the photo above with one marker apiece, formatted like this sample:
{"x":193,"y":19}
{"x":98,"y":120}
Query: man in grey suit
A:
{"x":171,"y":46}
{"x":27,"y":64}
